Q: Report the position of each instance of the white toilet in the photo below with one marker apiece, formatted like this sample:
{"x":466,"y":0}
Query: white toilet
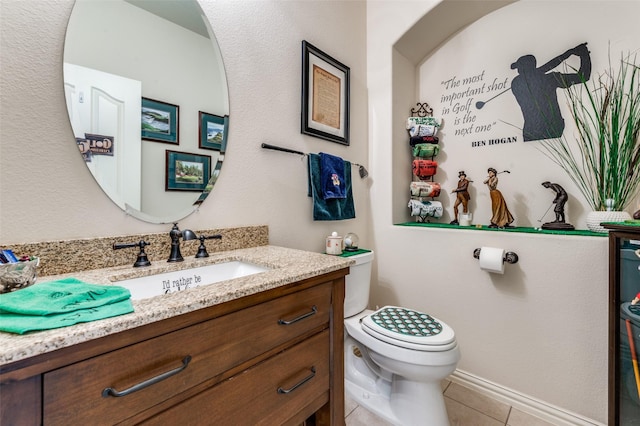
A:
{"x":395,"y":357}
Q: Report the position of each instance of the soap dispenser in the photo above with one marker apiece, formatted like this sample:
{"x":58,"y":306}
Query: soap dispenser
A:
{"x":334,"y":244}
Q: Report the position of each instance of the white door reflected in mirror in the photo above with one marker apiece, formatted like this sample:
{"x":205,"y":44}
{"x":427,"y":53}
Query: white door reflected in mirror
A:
{"x":97,"y":103}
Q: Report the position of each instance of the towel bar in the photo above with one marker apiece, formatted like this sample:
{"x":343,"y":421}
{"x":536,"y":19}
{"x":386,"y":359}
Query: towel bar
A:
{"x":361,"y":169}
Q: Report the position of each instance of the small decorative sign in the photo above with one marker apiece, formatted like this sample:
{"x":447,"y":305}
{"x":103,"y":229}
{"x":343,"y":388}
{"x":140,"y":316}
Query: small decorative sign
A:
{"x":100,"y":144}
{"x":83,"y":146}
{"x":93,"y":144}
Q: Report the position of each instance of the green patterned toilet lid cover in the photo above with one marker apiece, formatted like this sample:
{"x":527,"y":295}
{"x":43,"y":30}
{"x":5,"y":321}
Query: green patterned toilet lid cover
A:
{"x":406,"y":321}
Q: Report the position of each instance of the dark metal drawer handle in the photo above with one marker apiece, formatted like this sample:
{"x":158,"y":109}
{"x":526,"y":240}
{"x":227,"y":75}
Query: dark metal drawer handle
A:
{"x":314,"y":310}
{"x":302,"y":382}
{"x":112,"y":392}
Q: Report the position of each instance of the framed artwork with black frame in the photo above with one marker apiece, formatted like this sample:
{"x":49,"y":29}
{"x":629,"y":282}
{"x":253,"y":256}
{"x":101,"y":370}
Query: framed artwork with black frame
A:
{"x":187,"y":172}
{"x":213,"y":131}
{"x":325,"y":96}
{"x":159,"y":121}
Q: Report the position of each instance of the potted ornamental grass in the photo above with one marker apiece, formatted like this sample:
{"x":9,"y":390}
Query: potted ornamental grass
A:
{"x":602,"y":156}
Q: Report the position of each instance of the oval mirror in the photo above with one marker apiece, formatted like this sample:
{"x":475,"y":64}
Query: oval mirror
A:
{"x":147,"y":98}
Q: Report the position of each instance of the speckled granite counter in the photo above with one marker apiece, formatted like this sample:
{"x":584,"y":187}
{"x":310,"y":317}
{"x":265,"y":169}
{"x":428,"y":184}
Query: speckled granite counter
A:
{"x":60,"y":257}
{"x":288,"y":265}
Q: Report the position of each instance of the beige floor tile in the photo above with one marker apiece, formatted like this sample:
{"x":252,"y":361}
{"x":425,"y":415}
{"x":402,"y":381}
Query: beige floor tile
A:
{"x":482,"y":403}
{"x":461,"y":415}
{"x":362,"y":417}
{"x":349,"y":405}
{"x":444,"y":384}
{"x":520,"y":418}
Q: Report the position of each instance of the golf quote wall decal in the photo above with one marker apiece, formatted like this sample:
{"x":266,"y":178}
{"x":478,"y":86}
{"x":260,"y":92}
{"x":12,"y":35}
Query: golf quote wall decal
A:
{"x":535,"y":89}
{"x":458,"y":101}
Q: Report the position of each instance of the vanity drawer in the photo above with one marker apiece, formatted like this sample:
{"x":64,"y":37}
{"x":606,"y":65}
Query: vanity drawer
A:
{"x":289,"y":381}
{"x":74,"y":394}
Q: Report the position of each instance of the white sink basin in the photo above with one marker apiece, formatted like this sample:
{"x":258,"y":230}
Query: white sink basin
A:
{"x":171,"y":282}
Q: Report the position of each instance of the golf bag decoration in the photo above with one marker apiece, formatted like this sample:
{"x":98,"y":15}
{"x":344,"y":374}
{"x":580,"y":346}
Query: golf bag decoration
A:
{"x":425,"y":189}
{"x":424,"y":209}
{"x":423,"y":141}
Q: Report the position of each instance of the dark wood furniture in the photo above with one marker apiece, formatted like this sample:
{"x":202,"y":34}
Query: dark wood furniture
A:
{"x":624,"y":324}
{"x":275,"y":357}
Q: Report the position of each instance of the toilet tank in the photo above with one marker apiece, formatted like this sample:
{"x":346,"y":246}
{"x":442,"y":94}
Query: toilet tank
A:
{"x":357,"y":284}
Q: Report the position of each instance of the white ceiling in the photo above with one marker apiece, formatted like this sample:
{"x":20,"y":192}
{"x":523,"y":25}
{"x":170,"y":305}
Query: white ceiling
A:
{"x":186,"y":13}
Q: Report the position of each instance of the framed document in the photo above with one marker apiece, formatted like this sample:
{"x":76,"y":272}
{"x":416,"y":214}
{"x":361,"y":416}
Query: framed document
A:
{"x":325,"y":96}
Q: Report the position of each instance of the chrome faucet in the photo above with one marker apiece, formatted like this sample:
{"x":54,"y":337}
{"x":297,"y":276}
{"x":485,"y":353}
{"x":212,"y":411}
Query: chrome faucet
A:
{"x":175,"y":235}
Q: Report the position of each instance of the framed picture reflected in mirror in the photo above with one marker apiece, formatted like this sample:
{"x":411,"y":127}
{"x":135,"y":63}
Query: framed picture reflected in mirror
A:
{"x":187,"y":172}
{"x":159,"y":121}
{"x":213,"y":131}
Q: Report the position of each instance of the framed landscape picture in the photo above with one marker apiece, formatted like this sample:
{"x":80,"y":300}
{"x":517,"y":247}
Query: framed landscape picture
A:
{"x":187,"y":172}
{"x":159,"y":121}
{"x":213,"y":131}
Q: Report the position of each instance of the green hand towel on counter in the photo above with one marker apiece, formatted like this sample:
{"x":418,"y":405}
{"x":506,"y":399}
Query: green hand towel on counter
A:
{"x":20,"y":324}
{"x":61,"y":296}
{"x":55,"y":304}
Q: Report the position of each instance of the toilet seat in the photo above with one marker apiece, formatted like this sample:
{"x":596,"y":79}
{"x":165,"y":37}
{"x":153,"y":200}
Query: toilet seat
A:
{"x":428,"y":355}
{"x":409,"y":329}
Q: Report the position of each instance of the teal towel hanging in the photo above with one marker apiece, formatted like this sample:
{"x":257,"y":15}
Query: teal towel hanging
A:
{"x":333,"y":208}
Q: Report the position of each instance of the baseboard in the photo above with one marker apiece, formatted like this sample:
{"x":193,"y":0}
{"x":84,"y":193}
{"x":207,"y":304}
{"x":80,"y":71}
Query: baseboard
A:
{"x":525,"y":403}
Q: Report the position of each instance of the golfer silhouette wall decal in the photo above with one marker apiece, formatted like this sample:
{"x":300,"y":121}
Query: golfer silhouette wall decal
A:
{"x":535,"y":89}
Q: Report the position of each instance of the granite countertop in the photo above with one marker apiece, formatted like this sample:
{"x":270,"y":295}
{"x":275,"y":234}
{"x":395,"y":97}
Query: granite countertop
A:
{"x":288,"y":266}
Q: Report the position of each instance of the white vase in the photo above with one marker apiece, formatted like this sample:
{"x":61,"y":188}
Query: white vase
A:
{"x":595,"y":218}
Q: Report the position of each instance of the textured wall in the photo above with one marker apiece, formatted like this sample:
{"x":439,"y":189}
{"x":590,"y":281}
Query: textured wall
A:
{"x":46,"y":192}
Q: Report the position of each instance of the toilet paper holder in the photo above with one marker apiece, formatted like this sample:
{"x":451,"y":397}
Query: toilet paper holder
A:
{"x":509,"y":257}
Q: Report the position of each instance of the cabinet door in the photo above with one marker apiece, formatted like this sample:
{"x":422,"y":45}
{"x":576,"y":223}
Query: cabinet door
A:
{"x":20,"y":402}
{"x":626,"y":311}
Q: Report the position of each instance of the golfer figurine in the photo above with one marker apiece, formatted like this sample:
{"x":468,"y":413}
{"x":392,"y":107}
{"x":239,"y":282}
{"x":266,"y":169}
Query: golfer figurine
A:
{"x":560,"y":200}
{"x":462,"y":196}
{"x":502,"y":217}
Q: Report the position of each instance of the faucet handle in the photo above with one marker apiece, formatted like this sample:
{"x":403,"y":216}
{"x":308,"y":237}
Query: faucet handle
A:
{"x":202,"y":250}
{"x":142,"y":259}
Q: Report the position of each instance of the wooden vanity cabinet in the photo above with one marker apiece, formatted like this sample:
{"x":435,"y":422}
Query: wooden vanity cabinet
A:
{"x":275,"y":357}
{"x":624,"y":324}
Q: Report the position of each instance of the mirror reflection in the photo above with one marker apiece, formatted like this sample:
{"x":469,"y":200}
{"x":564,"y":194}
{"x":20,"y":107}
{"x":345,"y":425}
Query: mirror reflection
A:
{"x":147,"y":98}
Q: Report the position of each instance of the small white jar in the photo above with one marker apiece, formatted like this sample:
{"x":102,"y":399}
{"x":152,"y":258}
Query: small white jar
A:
{"x":334,"y":244}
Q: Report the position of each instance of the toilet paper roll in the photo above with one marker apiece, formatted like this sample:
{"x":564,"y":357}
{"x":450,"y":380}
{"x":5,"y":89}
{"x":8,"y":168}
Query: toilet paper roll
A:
{"x":492,"y":260}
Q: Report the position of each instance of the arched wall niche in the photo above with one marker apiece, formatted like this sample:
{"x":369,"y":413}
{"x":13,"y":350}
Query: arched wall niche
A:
{"x":441,"y":23}
{"x":437,"y":26}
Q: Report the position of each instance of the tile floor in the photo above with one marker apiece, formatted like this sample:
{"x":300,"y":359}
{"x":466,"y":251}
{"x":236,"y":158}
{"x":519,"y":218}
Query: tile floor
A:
{"x":466,"y":407}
